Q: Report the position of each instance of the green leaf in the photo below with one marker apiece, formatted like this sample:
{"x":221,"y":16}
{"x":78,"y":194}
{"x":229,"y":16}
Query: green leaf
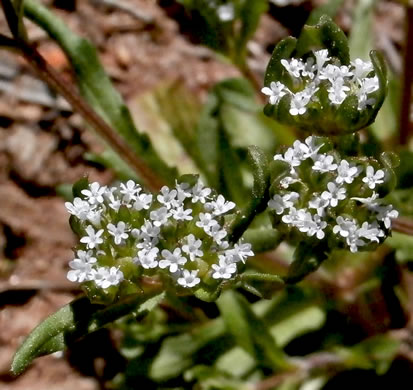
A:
{"x":403,"y":245}
{"x":179,"y":353}
{"x":325,"y":34}
{"x":259,"y":162}
{"x":249,"y":15}
{"x":76,"y":320}
{"x":79,"y":186}
{"x":96,"y":87}
{"x":275,"y":70}
{"x":300,"y":321}
{"x":377,"y":352}
{"x":262,"y":240}
{"x":307,"y":259}
{"x":330,"y":8}
{"x":249,"y":331}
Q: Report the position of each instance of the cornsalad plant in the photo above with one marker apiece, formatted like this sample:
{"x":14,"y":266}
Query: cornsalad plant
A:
{"x":158,"y":237}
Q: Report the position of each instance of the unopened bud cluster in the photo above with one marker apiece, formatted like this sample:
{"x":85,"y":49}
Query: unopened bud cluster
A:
{"x":178,"y":234}
{"x":320,"y":196}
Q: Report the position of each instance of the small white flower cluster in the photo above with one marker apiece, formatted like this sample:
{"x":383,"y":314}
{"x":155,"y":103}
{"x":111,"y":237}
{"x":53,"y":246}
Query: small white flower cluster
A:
{"x":179,"y":232}
{"x":325,"y":207}
{"x":340,"y":81}
{"x":225,"y":12}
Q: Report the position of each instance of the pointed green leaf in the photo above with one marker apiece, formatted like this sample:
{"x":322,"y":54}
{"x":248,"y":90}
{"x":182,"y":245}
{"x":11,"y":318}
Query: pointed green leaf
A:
{"x":179,"y":353}
{"x":325,"y":34}
{"x":307,"y":259}
{"x":330,"y":8}
{"x":249,"y":331}
{"x":76,"y":320}
{"x":79,"y":186}
{"x":275,"y":70}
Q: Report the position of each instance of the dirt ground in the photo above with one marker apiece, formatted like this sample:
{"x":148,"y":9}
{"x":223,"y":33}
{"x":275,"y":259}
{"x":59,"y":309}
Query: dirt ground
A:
{"x":42,"y":146}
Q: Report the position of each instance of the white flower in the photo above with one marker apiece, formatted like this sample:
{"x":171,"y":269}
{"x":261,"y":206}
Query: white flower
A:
{"x":345,"y":227}
{"x":181,"y":214}
{"x":354,"y":242}
{"x":318,"y":204}
{"x":167,"y":197}
{"x":367,"y":86}
{"x":143,"y":202}
{"x":105,"y":277}
{"x":160,"y":216}
{"x":219,"y":206}
{"x":385,"y":214}
{"x":361,"y":68}
{"x":147,"y":258}
{"x":334,"y":194}
{"x":189,"y":278}
{"x":324,"y":163}
{"x":293,"y":67}
{"x":277,"y":204}
{"x":149,"y":230}
{"x":330,"y":73}
{"x":95,"y":193}
{"x":372,"y":178}
{"x":321,"y":57}
{"x":337,"y":92}
{"x":317,"y":228}
{"x":309,"y":68}
{"x":118,"y":232}
{"x":114,"y":202}
{"x":217,"y":233}
{"x":346,"y":172}
{"x":206,"y":221}
{"x":79,"y":208}
{"x":129,"y":191}
{"x":286,"y":181}
{"x":311,"y":147}
{"x":184,"y":192}
{"x":291,"y":217}
{"x":299,"y":102}
{"x":276,"y":91}
{"x":93,"y":239}
{"x":223,"y":270}
{"x":312,"y":225}
{"x":240,"y":252}
{"x":191,"y":248}
{"x":304,"y":221}
{"x":199,"y":193}
{"x":370,"y":232}
{"x":94,"y":216}
{"x":81,"y":266}
{"x":172,"y":260}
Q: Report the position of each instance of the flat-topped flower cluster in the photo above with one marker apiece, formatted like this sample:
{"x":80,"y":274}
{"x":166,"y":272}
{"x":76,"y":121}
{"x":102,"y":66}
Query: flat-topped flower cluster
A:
{"x":321,"y":195}
{"x":127,"y":232}
{"x":321,"y":71}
